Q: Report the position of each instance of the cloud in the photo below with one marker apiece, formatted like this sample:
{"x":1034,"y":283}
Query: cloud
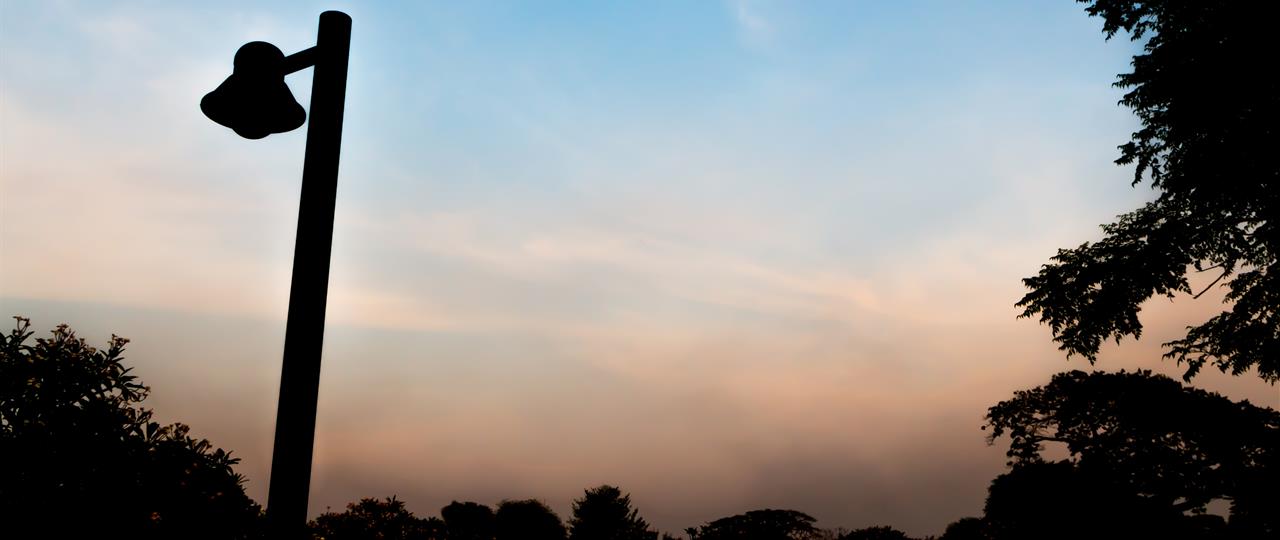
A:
{"x":752,"y":22}
{"x":748,"y":15}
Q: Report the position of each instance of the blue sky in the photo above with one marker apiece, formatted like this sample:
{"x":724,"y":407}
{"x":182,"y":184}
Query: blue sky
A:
{"x":728,"y":255}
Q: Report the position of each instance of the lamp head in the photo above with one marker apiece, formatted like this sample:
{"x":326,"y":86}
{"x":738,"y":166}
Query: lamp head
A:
{"x":255,"y":101}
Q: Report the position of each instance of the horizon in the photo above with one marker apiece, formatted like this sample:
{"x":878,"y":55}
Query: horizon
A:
{"x":725,"y":256}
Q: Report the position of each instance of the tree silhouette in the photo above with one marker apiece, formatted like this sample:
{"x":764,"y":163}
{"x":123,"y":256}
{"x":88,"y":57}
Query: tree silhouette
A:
{"x":968,"y":528}
{"x":759,"y":525}
{"x":1059,"y":501}
{"x":468,"y":521}
{"x":1056,"y":500}
{"x":79,"y":456}
{"x":1208,"y":106}
{"x":604,"y":513}
{"x":528,"y":520}
{"x":876,"y":533}
{"x":373,"y":519}
{"x":1141,"y":442}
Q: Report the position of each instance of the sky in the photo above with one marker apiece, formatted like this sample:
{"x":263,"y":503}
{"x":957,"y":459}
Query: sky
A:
{"x":727,"y":255}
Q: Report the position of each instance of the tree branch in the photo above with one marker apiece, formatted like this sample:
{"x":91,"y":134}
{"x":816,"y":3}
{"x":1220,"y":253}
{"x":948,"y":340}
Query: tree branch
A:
{"x":1215,"y":282}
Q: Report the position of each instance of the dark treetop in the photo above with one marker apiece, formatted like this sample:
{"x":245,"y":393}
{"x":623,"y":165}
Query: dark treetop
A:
{"x":1148,"y":439}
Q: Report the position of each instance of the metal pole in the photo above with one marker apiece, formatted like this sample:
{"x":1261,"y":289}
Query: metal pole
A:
{"x":304,"y":333}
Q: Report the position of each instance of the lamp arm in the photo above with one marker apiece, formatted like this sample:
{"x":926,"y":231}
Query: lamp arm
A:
{"x":300,"y":60}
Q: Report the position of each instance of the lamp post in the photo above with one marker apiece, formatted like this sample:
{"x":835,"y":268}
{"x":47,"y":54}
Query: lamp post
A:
{"x":255,"y":102}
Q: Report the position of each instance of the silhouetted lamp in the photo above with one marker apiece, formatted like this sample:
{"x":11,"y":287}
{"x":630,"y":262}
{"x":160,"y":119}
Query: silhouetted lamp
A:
{"x":255,"y":102}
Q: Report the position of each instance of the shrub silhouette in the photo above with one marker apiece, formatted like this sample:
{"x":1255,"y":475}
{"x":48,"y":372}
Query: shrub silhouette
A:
{"x":82,"y":457}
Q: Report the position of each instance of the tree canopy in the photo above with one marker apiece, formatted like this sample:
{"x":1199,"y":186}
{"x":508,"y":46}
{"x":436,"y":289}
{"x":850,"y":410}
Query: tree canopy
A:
{"x":1057,"y":500}
{"x":605,"y":513}
{"x":968,"y":528}
{"x":376,"y":519}
{"x":1143,"y":442}
{"x":468,"y":521}
{"x":879,"y":532}
{"x":765,"y":524}
{"x":528,"y":519}
{"x":1204,"y":92}
{"x":81,"y":456}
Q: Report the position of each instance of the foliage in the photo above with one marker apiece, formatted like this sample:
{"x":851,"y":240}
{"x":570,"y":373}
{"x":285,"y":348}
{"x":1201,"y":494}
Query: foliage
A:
{"x":1058,"y":500}
{"x":373,"y":519}
{"x":468,"y":521}
{"x":876,"y":533}
{"x":969,"y":528}
{"x":82,"y":456}
{"x":528,"y":520}
{"x":1142,"y":442}
{"x":765,"y":524}
{"x":1208,"y":107}
{"x":605,"y":513}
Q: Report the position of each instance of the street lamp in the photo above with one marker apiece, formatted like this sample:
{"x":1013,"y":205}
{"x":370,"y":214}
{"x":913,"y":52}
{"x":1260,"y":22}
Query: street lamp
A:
{"x":255,"y":102}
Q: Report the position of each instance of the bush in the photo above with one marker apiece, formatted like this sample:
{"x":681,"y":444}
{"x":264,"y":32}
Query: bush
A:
{"x":82,"y":458}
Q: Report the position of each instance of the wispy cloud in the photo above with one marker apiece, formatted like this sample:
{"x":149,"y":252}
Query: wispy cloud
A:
{"x":752,"y":22}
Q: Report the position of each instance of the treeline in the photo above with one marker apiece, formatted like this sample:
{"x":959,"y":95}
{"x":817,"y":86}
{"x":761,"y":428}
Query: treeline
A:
{"x":1145,"y":457}
{"x":604,"y":512}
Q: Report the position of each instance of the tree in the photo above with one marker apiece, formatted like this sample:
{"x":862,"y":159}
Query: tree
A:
{"x":1142,"y":442}
{"x":1059,"y":501}
{"x":373,"y":519}
{"x":967,"y":528}
{"x":1208,"y":105}
{"x":876,"y":533}
{"x":528,"y":520}
{"x":604,"y":513}
{"x":468,"y":521}
{"x":81,"y":456}
{"x":765,"y":524}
